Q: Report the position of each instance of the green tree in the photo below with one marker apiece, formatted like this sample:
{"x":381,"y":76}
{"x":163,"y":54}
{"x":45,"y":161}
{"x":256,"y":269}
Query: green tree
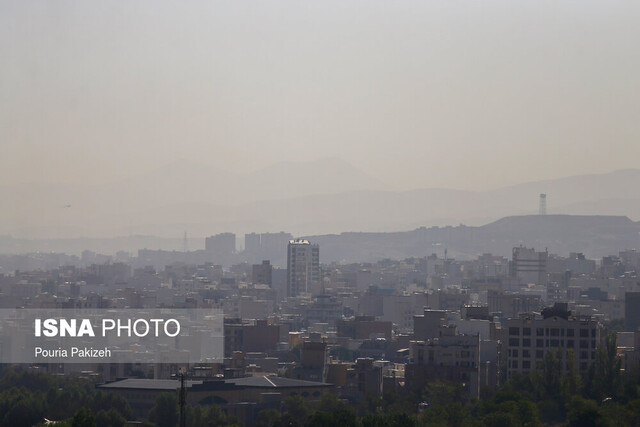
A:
{"x":165,"y":410}
{"x":296,"y":407}
{"x":604,"y":374}
{"x":329,"y":402}
{"x":443,"y":393}
{"x":268,"y":418}
{"x":552,"y":373}
{"x":25,"y":410}
{"x":106,"y":401}
{"x":572,"y":381}
{"x":583,"y":413}
{"x":382,"y":419}
{"x":214,"y":416}
{"x":343,"y":417}
{"x":450,"y":414}
{"x":110,"y":418}
{"x":84,"y":418}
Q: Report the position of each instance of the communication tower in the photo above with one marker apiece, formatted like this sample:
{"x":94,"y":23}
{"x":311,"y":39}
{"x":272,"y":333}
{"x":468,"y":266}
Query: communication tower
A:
{"x":543,"y":204}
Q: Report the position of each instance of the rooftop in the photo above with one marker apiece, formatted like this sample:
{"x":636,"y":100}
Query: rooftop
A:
{"x":172,"y":385}
{"x":146,"y":384}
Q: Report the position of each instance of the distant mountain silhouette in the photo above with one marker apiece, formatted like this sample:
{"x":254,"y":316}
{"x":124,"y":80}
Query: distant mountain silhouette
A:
{"x":595,"y":236}
{"x":319,"y":197}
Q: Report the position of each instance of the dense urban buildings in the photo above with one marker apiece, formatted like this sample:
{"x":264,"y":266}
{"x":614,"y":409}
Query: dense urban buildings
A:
{"x":354,"y":330}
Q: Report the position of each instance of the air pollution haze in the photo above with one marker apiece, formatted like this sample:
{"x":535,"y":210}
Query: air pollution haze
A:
{"x":117,"y":118}
{"x":279,"y":212}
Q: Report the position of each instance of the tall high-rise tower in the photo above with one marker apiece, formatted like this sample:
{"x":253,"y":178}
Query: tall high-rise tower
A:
{"x":303,"y":267}
{"x":543,"y":204}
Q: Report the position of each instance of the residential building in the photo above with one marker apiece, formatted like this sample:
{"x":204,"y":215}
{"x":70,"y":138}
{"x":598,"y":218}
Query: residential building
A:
{"x":530,"y":337}
{"x":364,"y":327}
{"x":449,"y":357}
{"x":261,"y":273}
{"x":221,"y":245}
{"x":303,"y":264}
{"x":512,"y":304}
{"x":631,"y":311}
{"x":364,"y":378}
{"x":529,"y":266}
{"x":260,"y":336}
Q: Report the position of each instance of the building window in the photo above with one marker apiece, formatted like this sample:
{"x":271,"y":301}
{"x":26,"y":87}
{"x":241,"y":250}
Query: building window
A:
{"x":525,"y":353}
{"x":526,"y":364}
{"x":539,"y":354}
{"x":539,"y":343}
{"x":555,"y":332}
{"x":514,"y":331}
{"x":526,"y":342}
{"x":584,"y":333}
{"x":539,"y":332}
{"x":514,"y":342}
{"x":526,"y":331}
{"x":570,"y":343}
{"x":569,"y":332}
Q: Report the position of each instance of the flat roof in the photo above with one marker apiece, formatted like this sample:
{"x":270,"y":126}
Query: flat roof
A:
{"x":274,"y":382}
{"x":172,"y":385}
{"x":147,"y":384}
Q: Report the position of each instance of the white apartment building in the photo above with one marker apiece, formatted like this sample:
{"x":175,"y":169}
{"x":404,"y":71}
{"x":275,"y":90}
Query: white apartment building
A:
{"x":303,"y":267}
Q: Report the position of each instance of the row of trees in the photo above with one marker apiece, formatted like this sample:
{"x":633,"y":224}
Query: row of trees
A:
{"x":606,"y":396}
{"x":28,"y":398}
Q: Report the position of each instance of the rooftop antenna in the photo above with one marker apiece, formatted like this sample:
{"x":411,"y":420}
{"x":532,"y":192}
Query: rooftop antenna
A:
{"x":543,"y":204}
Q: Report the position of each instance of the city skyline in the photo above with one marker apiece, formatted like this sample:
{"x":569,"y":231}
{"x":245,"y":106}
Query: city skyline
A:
{"x":356,"y":213}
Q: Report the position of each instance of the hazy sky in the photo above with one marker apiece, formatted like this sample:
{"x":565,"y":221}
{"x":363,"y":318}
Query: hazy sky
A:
{"x":468,"y":95}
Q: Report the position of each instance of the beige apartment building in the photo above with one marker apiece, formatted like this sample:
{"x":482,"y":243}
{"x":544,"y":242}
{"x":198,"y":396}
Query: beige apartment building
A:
{"x":531,"y":336}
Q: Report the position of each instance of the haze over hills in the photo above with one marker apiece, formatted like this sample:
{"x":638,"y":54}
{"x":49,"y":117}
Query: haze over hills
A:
{"x":320,"y":197}
{"x":595,"y":236}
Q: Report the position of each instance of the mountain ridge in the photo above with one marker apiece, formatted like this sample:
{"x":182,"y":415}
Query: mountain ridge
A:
{"x":298,"y":200}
